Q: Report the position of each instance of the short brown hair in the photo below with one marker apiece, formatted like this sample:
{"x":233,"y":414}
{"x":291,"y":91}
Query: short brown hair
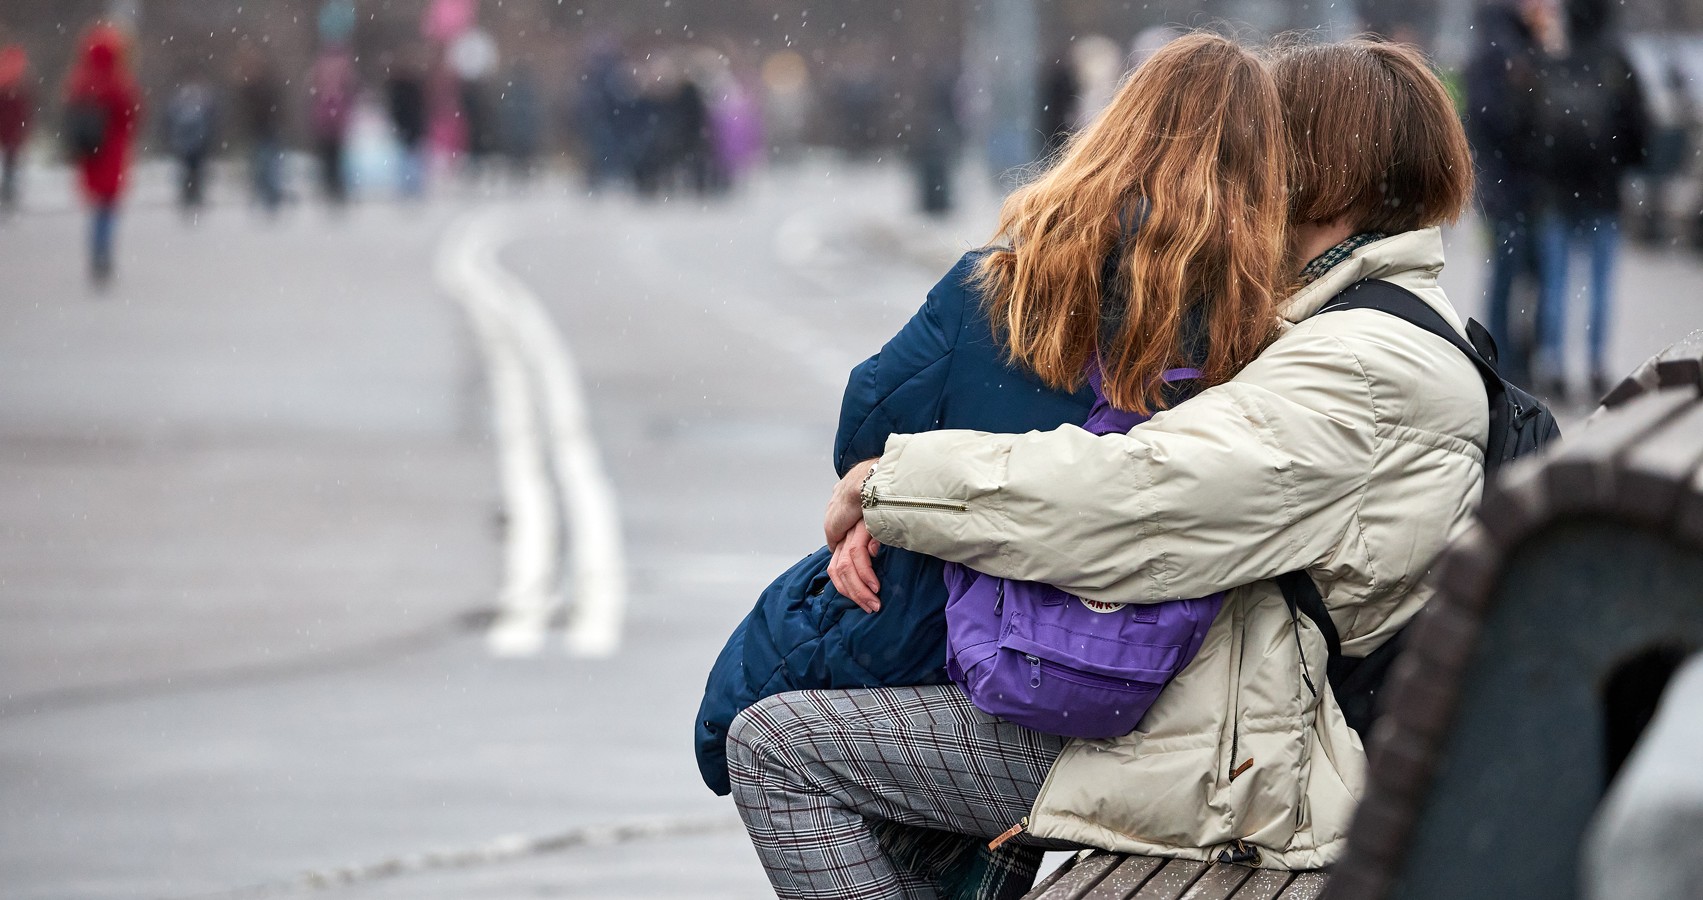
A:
{"x":1374,"y":136}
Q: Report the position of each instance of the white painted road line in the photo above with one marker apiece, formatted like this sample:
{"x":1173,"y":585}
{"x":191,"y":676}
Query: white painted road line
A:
{"x":552,"y":473}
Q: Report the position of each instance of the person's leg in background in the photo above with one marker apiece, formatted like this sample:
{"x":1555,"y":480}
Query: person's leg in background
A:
{"x":812,"y":770}
{"x":8,"y":178}
{"x":1510,"y":252}
{"x":268,"y":176}
{"x":332,"y":180}
{"x":411,"y":172}
{"x":101,"y":230}
{"x":1604,"y":235}
{"x":1553,"y":251}
{"x":192,"y":178}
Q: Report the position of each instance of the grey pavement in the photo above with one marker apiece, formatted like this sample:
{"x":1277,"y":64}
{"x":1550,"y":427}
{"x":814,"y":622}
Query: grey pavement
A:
{"x":250,"y":529}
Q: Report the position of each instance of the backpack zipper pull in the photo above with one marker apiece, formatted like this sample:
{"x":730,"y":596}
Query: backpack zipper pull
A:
{"x":1034,"y":671}
{"x":1010,"y":833}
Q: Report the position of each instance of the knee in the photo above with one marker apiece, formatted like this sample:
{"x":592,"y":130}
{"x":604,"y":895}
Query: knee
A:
{"x":757,"y":737}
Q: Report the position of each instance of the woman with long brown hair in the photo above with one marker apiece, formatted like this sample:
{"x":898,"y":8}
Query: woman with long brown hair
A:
{"x":1156,"y":242}
{"x":1180,"y":182}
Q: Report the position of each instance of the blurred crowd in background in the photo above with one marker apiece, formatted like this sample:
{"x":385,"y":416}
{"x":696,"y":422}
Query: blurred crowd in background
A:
{"x":380,"y":95}
{"x":1585,"y":114}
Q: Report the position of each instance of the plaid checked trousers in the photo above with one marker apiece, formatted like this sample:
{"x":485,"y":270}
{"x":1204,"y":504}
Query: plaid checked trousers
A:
{"x":813,"y":771}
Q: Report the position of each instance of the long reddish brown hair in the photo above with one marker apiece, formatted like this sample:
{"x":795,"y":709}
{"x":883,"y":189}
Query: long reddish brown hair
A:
{"x":1190,"y":155}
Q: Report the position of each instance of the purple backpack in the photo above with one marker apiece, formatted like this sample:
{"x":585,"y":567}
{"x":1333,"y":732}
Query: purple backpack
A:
{"x":1035,"y":655}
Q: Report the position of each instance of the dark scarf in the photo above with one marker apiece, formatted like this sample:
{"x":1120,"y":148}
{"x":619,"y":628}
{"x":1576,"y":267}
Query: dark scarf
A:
{"x":1327,"y":260}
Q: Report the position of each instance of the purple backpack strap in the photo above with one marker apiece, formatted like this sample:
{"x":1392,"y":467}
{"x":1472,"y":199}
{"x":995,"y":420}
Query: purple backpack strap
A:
{"x":1105,"y":418}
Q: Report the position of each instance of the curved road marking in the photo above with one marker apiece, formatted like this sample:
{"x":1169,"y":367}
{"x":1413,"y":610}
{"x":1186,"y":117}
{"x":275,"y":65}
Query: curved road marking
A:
{"x":548,"y":462}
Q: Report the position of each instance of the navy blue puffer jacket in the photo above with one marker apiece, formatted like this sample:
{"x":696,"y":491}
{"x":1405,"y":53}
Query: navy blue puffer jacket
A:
{"x":944,"y":369}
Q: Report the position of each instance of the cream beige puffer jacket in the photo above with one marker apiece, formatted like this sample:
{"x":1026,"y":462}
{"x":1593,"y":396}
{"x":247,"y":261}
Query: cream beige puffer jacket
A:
{"x":1352,"y":448}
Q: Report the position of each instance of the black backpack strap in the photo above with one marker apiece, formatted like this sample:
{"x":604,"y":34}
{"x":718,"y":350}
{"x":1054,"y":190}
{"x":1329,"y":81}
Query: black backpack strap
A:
{"x":1519,"y":422}
{"x":1405,"y":305}
{"x":1303,"y":599}
{"x":1356,"y":682}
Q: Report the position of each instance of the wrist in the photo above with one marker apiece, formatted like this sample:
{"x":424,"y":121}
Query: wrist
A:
{"x":866,"y":494}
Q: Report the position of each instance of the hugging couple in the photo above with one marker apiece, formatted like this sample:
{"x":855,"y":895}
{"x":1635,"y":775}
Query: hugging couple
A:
{"x":1200,"y":224}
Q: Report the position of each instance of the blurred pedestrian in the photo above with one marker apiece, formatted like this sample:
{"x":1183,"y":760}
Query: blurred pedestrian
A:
{"x":692,"y":156}
{"x":260,"y":111}
{"x":935,"y":138}
{"x":653,"y":128}
{"x":189,"y":125}
{"x":736,"y":124}
{"x":1501,"y":122}
{"x":788,"y":104}
{"x":1100,"y":63}
{"x":102,"y":108}
{"x":472,"y":60}
{"x":1672,"y":117}
{"x":859,"y":101}
{"x":606,"y":115}
{"x":405,"y":100}
{"x":1593,"y":123}
{"x":1058,"y":105}
{"x":521,"y":115}
{"x":331,"y":107}
{"x":17,"y":109}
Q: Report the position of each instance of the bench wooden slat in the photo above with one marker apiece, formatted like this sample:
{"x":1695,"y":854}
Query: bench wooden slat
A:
{"x":1688,"y":518}
{"x":1126,"y":879}
{"x":1220,"y":882}
{"x":1656,"y":471}
{"x":1052,"y":878}
{"x":1265,"y":884}
{"x":1580,"y":471}
{"x":1306,"y":886}
{"x":1099,"y":875}
{"x":1172,"y":879}
{"x":1084,"y":873}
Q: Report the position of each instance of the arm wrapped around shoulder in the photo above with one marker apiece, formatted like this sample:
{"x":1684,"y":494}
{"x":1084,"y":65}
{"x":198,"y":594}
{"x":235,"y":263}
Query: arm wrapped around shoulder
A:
{"x":1247,"y":480}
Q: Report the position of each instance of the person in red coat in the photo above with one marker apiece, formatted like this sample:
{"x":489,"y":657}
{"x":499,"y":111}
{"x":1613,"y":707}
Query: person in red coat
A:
{"x":16,"y":109}
{"x":102,"y":107}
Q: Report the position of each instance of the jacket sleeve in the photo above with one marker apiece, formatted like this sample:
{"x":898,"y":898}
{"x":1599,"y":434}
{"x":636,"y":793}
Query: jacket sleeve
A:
{"x":899,"y":389}
{"x":1246,"y":481}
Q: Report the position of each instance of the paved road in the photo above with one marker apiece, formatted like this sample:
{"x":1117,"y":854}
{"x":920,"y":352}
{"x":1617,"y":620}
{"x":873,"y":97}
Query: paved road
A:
{"x":252,"y":536}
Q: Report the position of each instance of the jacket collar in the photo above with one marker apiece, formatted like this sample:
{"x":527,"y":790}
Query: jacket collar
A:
{"x":1411,"y":254}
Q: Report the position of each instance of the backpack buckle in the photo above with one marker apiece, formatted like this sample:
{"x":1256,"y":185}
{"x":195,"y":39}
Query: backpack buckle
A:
{"x":1240,"y":853}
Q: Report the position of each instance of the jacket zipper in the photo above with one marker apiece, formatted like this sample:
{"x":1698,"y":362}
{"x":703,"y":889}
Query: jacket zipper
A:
{"x":1010,"y":833}
{"x":1236,"y":769}
{"x":1235,"y":738}
{"x":872,"y":500}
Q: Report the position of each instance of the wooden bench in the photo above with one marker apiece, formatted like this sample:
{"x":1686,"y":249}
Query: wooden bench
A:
{"x":1096,"y":875}
{"x":1566,"y":609}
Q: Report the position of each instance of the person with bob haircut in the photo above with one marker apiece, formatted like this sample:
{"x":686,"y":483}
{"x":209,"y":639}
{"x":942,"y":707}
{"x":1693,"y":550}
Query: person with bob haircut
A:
{"x":1350,"y":448}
